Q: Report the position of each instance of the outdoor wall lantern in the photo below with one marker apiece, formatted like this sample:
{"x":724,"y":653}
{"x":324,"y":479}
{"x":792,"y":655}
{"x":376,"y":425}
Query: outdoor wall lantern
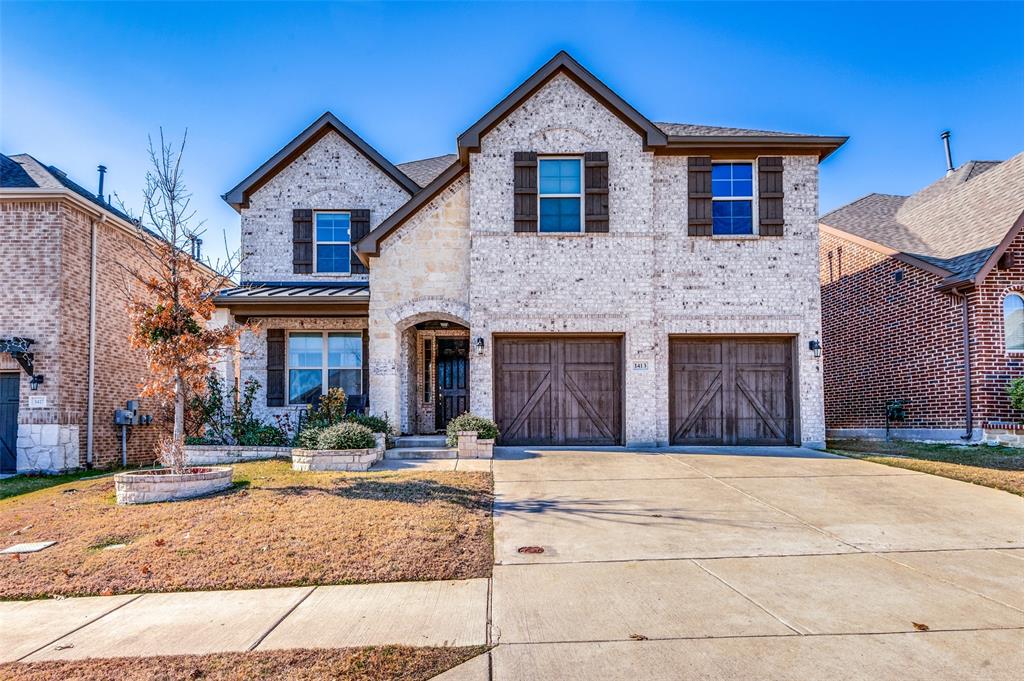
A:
{"x":479,"y":345}
{"x":815,"y":346}
{"x":37,"y":380}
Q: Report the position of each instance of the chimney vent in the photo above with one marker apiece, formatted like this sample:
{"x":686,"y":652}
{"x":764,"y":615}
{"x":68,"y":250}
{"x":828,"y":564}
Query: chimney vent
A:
{"x":949,"y":153}
{"x":103,"y":171}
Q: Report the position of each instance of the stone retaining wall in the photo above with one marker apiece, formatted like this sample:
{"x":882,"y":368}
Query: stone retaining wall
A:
{"x":214,"y":455}
{"x":1005,"y":434}
{"x":472,"y":447}
{"x":335,"y":459}
{"x":146,"y":488}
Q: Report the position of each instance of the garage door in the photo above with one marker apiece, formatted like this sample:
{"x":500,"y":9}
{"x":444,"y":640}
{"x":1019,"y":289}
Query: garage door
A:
{"x":558,"y":390}
{"x":732,"y":391}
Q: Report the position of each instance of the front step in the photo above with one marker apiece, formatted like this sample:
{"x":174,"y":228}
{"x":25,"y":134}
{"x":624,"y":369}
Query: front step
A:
{"x":401,"y":452}
{"x":420,"y":441}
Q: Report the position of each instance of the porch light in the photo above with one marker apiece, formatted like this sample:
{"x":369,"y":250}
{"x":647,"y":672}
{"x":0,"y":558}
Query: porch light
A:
{"x":37,"y":380}
{"x":815,"y":346}
{"x":479,"y":345}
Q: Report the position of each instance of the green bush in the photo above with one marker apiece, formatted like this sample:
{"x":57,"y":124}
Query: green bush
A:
{"x":346,"y":435}
{"x":228,"y":419}
{"x":328,"y":411}
{"x":378,"y":424}
{"x":486,"y":429}
{"x":307,"y":437}
{"x":1016,"y":392}
{"x":263,"y":435}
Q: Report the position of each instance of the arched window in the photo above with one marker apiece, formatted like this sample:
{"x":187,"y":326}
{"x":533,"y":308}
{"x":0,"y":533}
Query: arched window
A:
{"x":1013,"y":321}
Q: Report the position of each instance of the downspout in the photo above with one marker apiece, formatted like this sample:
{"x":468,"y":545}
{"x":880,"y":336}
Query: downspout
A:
{"x":968,"y":408}
{"x":93,"y":224}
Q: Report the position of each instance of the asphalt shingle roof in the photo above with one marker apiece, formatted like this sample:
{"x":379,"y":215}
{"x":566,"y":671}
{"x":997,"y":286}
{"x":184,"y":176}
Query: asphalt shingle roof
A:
{"x":954,"y":223}
{"x":12,"y":175}
{"x":691,"y":129}
{"x":424,"y":171}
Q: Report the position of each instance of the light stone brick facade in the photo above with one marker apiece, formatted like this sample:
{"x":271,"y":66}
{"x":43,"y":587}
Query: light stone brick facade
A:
{"x":458,"y":260}
{"x":331,"y":174}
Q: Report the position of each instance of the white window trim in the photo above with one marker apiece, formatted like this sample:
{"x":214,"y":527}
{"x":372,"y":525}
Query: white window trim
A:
{"x":580,"y":195}
{"x":317,"y":242}
{"x":753,"y":200}
{"x":1006,"y":336}
{"x":324,"y":368}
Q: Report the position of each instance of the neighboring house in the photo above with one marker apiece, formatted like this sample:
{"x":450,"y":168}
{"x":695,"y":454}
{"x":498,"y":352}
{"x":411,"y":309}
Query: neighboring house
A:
{"x":575,"y":271}
{"x":65,"y":360}
{"x":916,"y":288}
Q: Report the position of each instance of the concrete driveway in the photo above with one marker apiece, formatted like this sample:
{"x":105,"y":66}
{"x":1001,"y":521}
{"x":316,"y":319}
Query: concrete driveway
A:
{"x":763,"y":564}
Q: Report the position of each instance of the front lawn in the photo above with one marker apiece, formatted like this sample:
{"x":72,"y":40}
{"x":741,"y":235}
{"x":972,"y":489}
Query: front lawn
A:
{"x":998,"y":467}
{"x":275,"y":527}
{"x":23,"y":484}
{"x":346,"y":664}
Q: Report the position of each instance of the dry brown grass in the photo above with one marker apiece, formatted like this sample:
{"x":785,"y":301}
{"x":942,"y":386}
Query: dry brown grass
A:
{"x":276,"y":527}
{"x":347,"y":664}
{"x":998,"y":467}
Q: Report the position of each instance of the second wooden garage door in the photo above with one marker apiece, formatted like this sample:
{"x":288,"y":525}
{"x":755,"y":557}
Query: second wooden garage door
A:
{"x":731,"y":391}
{"x":558,"y":390}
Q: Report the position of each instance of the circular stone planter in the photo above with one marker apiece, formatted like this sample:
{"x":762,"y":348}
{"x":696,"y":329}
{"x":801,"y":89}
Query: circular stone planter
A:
{"x":146,"y":487}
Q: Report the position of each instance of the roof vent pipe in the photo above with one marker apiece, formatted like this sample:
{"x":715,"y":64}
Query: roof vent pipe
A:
{"x":103,"y":171}
{"x":949,"y":153}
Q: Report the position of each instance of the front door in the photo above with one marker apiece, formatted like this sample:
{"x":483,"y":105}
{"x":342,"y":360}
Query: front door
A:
{"x":452,"y":380}
{"x":8,"y":422}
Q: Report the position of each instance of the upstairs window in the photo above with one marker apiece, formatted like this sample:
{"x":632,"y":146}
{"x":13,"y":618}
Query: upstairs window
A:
{"x":732,"y":198}
{"x":310,"y":376}
{"x":1013,"y":322}
{"x":333,"y":248}
{"x":560,"y":194}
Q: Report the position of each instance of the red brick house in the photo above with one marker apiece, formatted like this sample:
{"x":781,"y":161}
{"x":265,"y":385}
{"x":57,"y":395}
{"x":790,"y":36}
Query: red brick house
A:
{"x":923,"y":306}
{"x":65,"y":360}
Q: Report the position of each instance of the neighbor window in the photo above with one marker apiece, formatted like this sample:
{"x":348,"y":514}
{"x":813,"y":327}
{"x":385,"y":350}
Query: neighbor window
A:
{"x":333,"y":243}
{"x":560,"y":194}
{"x":310,"y":376}
{"x":1013,"y":321}
{"x":732,"y":198}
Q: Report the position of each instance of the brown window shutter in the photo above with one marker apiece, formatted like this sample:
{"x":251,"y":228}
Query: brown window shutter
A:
{"x":769,"y":194}
{"x":698,"y":171}
{"x":275,"y":368}
{"x":596,"y":191}
{"x":360,"y":227}
{"x":525,"y":198}
{"x":302,"y":241}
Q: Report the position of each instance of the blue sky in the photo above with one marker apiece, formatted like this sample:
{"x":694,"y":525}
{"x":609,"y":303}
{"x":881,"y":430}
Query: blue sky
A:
{"x":84,"y":83}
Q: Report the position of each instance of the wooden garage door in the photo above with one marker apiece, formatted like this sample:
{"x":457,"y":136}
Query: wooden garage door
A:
{"x":558,"y":390}
{"x":732,"y":391}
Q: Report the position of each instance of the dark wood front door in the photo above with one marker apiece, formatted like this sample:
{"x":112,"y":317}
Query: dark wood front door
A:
{"x":9,"y":394}
{"x":558,"y":390}
{"x":731,"y":391}
{"x":452,"y":380}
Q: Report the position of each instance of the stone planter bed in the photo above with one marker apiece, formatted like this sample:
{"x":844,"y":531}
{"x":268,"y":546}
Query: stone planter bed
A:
{"x":335,"y":459}
{"x":472,"y":447}
{"x":219,"y":455}
{"x":145,"y":487}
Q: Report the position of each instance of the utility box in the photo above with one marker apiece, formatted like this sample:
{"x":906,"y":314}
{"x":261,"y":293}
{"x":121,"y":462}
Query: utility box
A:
{"x":123,"y":417}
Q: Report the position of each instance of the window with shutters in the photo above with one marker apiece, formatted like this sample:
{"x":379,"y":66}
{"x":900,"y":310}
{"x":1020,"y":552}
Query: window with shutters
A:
{"x":560,"y":194}
{"x":732,"y":199}
{"x":318,"y":361}
{"x":333,"y":249}
{"x":1013,"y":322}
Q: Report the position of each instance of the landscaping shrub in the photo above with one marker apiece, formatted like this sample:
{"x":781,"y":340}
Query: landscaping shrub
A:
{"x":229,"y":420}
{"x":486,"y":429}
{"x":346,"y":435}
{"x":378,"y":424}
{"x":1016,"y":392}
{"x":330,"y":409}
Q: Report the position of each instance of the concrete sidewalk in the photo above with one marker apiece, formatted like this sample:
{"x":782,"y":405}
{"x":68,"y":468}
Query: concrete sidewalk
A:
{"x":448,"y":613}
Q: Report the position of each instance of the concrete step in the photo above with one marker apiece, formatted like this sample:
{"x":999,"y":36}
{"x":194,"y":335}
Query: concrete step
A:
{"x":421,"y":453}
{"x":414,"y":441}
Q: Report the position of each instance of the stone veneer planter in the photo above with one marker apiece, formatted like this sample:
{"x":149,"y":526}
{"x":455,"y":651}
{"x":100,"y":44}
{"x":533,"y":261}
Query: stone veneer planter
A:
{"x":218,"y":455}
{"x":145,"y":487}
{"x":472,"y":447}
{"x":1003,"y":433}
{"x":335,"y":459}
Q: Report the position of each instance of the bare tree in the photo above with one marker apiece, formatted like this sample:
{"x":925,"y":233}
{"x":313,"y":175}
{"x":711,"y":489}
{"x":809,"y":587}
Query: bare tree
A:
{"x":170,"y":293}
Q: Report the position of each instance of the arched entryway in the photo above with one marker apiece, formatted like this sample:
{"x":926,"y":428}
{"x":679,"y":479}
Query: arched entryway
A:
{"x":437,"y":352}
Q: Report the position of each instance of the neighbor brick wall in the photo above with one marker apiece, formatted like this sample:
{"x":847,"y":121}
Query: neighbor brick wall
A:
{"x":884,"y":339}
{"x":993,"y":367}
{"x":45,"y":265}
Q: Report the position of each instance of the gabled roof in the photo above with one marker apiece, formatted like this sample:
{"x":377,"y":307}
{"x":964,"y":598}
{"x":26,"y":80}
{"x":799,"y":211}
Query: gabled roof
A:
{"x":425,"y":170}
{"x":238,"y":197}
{"x":562,"y":63}
{"x":958,"y":224}
{"x":13,"y":175}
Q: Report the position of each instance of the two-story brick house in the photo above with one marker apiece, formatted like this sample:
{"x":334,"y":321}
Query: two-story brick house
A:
{"x":923,"y":306}
{"x":581,"y":274}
